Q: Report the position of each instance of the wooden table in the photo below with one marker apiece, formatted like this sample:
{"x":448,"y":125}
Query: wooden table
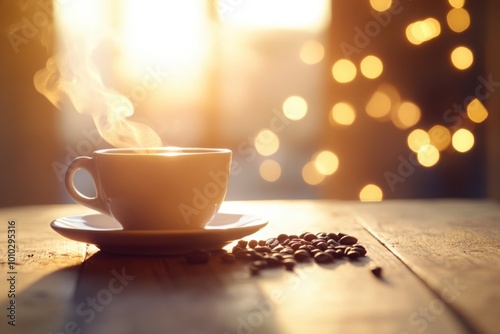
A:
{"x":440,"y":260}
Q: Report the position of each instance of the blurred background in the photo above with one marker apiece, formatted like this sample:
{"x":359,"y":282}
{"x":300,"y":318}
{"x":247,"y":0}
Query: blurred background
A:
{"x":354,"y":100}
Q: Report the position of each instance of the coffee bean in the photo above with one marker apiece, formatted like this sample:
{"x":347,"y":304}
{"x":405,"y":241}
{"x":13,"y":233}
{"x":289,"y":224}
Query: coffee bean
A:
{"x":278,"y":248}
{"x":353,"y":255}
{"x":333,"y":236}
{"x":273,"y":242}
{"x":282,"y":237}
{"x":301,"y":255}
{"x":332,"y":242}
{"x":252,"y":243}
{"x":322,"y":257}
{"x":361,"y":251}
{"x":339,"y":253}
{"x":304,"y":247}
{"x":242,"y":243}
{"x":263,"y":249}
{"x":321,"y":235}
{"x":278,"y":256}
{"x":322,"y":245}
{"x":309,"y":237}
{"x":377,"y":271}
{"x":287,"y":250}
{"x":348,"y":240}
{"x":288,"y":256}
{"x":303,"y":234}
{"x":293,"y":236}
{"x":197,"y":257}
{"x":341,"y":235}
{"x":316,"y":250}
{"x":261,"y":243}
{"x":332,"y":252}
{"x":295,"y":245}
{"x":237,"y":249}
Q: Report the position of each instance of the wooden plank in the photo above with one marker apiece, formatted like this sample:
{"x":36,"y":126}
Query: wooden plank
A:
{"x":454,"y":246}
{"x":167,"y":295}
{"x":45,"y":269}
{"x":344,"y":296}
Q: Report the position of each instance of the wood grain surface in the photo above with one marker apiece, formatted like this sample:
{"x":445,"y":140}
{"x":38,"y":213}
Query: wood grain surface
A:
{"x":440,"y":263}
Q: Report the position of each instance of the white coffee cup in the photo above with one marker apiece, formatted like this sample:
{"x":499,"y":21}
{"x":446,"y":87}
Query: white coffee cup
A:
{"x":165,"y":188}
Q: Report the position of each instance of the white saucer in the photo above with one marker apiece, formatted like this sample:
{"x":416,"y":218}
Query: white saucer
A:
{"x":108,"y":235}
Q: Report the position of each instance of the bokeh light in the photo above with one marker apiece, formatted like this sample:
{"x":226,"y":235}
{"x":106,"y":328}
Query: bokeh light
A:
{"x":458,"y":19}
{"x":311,"y":175}
{"x":270,"y":170}
{"x":381,"y":5}
{"x":371,"y":67}
{"x":295,"y":107}
{"x":457,"y":3}
{"x":344,"y":71}
{"x":440,"y":137}
{"x":462,"y":140}
{"x":407,"y":115}
{"x":266,"y":142}
{"x":379,"y":105}
{"x":422,"y":31}
{"x":417,"y":139}
{"x":476,"y":111}
{"x":312,"y":52}
{"x":428,"y":155}
{"x":342,"y":113}
{"x":326,"y":162}
{"x":371,"y":193}
{"x":462,"y":57}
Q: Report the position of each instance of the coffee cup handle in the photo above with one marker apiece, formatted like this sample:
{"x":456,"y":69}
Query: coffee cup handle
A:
{"x":87,"y":164}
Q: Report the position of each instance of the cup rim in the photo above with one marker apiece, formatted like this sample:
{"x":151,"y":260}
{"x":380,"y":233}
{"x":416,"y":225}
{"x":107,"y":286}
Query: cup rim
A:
{"x":164,"y":149}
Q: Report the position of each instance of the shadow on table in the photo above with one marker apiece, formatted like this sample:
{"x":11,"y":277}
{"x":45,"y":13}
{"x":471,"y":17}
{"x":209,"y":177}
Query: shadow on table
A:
{"x":130,"y":294}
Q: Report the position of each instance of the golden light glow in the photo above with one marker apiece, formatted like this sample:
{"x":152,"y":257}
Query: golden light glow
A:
{"x":458,"y":19}
{"x":462,"y":57}
{"x":166,"y":32}
{"x":417,"y":139}
{"x":306,"y":15}
{"x":342,"y":113}
{"x":312,"y":52}
{"x":428,"y":155}
{"x":371,"y":67}
{"x":476,"y":111}
{"x":326,"y":162}
{"x":344,"y":71}
{"x":457,"y":3}
{"x":381,"y":5}
{"x":295,"y":107}
{"x":462,"y":140}
{"x":440,"y":137}
{"x":266,"y":142}
{"x":311,"y":175}
{"x":371,"y":193}
{"x":270,"y":170}
{"x":422,"y":31}
{"x":379,"y":105}
{"x":407,"y":115}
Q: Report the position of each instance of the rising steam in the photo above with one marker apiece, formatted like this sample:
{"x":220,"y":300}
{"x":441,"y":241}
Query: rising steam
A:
{"x":72,"y":74}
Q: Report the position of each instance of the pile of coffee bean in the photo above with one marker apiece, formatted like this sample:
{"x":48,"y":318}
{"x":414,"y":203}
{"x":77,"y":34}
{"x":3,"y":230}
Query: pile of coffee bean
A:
{"x":286,"y":250}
